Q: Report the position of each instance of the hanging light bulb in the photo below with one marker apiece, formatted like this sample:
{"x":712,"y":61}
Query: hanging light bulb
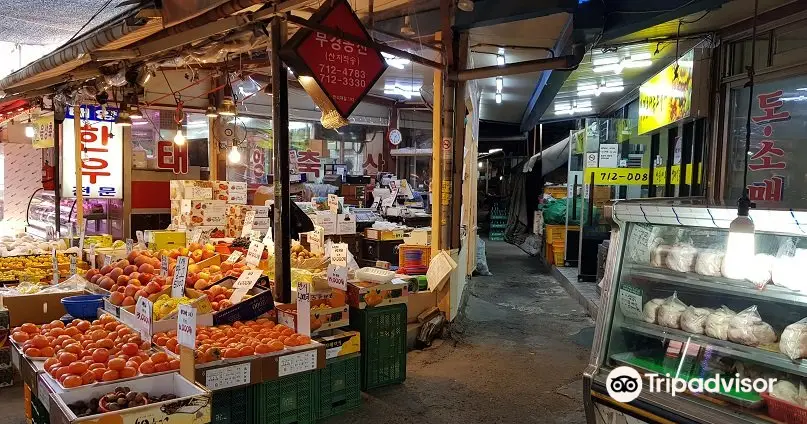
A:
{"x":134,"y":112}
{"x":29,"y":129}
{"x":499,"y":84}
{"x":234,"y":156}
{"x":123,"y":119}
{"x":498,"y":97}
{"x":227,"y":107}
{"x":211,"y":112}
{"x":740,"y":247}
{"x":179,"y":138}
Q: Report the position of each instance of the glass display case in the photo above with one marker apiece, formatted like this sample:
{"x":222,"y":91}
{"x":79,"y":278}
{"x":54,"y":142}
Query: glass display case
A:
{"x":42,"y":214}
{"x":675,"y":306}
{"x":103,"y":216}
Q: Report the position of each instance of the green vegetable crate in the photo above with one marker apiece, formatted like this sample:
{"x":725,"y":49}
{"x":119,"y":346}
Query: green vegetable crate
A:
{"x":233,"y":406}
{"x":286,"y":400}
{"x":383,"y":344}
{"x":338,"y":386}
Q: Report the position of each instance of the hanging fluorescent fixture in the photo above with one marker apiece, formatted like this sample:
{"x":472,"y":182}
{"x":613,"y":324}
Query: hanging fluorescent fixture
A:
{"x":570,"y":109}
{"x":498,"y":98}
{"x":499,"y":84}
{"x":394,"y":61}
{"x":613,"y":86}
{"x":616,"y":65}
{"x":500,"y":59}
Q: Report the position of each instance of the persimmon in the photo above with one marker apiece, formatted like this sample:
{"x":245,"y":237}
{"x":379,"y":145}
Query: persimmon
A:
{"x":116,"y":364}
{"x":20,"y":337}
{"x":77,"y":368}
{"x":32,"y":352}
{"x":67,"y":358}
{"x":110,"y":375}
{"x":147,"y":367}
{"x":88,"y":377}
{"x":99,"y":373}
{"x":100,"y":355}
{"x":128,"y":372}
{"x":159,"y":357}
{"x":72,"y":381}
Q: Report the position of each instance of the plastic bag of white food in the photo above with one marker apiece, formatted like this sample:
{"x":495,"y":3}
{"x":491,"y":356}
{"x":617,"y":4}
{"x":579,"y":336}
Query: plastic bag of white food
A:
{"x":681,"y":257}
{"x":650,"y":310}
{"x":709,"y":262}
{"x":759,"y":271}
{"x":693,"y":320}
{"x":659,"y":256}
{"x":787,"y":271}
{"x":785,"y":390}
{"x":793,"y":342}
{"x":748,"y":328}
{"x":669,"y":313}
{"x":717,"y":323}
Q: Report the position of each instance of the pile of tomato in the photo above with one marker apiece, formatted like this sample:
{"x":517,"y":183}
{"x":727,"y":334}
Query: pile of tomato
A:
{"x":237,"y":340}
{"x":84,"y":352}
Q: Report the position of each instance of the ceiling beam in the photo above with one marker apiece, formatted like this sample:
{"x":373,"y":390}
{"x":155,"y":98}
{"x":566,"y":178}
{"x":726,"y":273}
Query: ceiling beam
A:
{"x":493,"y":12}
{"x":525,"y":67}
{"x":625,"y":17}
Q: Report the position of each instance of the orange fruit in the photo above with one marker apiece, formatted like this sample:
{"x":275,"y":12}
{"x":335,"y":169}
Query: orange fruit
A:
{"x":74,"y":348}
{"x":276,"y":345}
{"x":98,"y":373}
{"x":67,"y":358}
{"x":162,"y":367}
{"x":247,"y":351}
{"x":147,"y":367}
{"x":116,"y":364}
{"x":262,"y":348}
{"x":105,"y":343}
{"x":50,"y":362}
{"x":159,"y":357}
{"x":88,"y":377}
{"x":59,"y":372}
{"x":110,"y":375}
{"x":20,"y":337}
{"x":33,"y":352}
{"x":128,"y":372}
{"x":83,"y":326}
{"x":173,"y":364}
{"x":77,"y":368}
{"x":29,"y":328}
{"x":100,"y":355}
{"x":72,"y":381}
{"x":130,"y":349}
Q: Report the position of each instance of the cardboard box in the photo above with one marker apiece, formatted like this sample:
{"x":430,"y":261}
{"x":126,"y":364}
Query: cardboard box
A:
{"x":322,"y":318}
{"x":36,"y":308}
{"x":363,"y":294}
{"x":158,"y":240}
{"x":346,"y":223}
{"x":196,"y":213}
{"x":417,"y":303}
{"x":230,"y":192}
{"x":384,"y":235}
{"x":339,"y":342}
{"x":191,"y":190}
{"x":326,"y":220}
{"x":419,"y":237}
{"x":192,"y":405}
{"x":229,"y":373}
{"x":261,"y":302}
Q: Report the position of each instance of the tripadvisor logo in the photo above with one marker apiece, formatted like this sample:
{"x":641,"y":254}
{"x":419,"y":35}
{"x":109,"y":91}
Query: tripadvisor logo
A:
{"x":624,"y":384}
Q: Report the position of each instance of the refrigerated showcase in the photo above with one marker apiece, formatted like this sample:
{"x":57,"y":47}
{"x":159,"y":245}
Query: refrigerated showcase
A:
{"x":671,"y":304}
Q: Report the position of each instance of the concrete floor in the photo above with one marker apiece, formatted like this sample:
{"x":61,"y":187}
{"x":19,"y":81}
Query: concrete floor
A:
{"x":517,"y":357}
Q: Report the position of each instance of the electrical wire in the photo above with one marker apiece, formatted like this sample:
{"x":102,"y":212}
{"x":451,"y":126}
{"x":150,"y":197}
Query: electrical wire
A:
{"x":696,"y":20}
{"x":751,"y":70}
{"x":95,"y":15}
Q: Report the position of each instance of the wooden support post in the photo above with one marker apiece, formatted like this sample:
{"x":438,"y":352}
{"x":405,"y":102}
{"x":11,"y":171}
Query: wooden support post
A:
{"x":436,"y":181}
{"x":79,"y":176}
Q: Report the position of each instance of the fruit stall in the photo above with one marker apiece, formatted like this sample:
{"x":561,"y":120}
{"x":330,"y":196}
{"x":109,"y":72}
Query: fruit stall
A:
{"x":182,"y":325}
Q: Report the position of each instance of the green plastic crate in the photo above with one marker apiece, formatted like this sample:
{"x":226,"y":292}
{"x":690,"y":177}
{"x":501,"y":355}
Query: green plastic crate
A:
{"x":339,"y":386}
{"x":383,"y":344}
{"x":287,"y":400}
{"x":233,"y":406}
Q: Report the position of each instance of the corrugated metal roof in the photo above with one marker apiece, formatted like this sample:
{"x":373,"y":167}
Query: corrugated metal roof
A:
{"x":52,"y":21}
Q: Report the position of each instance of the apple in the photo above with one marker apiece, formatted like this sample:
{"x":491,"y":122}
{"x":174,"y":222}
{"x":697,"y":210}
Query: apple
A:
{"x":146,"y":277}
{"x":122,"y":280}
{"x":130,"y":290}
{"x":116,"y":298}
{"x":105,"y":269}
{"x":146,"y":269}
{"x":129,"y":269}
{"x":141,"y":293}
{"x":95,"y":278}
{"x":90,"y":273}
{"x":153,"y":287}
{"x":115,"y":273}
{"x":123,"y":263}
{"x":128,"y":301}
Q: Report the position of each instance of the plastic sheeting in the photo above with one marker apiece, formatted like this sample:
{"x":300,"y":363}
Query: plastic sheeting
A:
{"x":552,"y":158}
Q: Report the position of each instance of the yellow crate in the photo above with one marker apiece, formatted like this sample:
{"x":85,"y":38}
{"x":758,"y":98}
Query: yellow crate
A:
{"x":556,"y":192}
{"x":558,"y":256}
{"x":554,"y":233}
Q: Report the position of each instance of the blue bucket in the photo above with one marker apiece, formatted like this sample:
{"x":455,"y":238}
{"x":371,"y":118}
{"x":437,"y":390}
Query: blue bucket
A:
{"x":84,"y":306}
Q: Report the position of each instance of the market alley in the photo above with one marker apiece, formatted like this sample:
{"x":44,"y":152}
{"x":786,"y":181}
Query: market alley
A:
{"x":518,"y":355}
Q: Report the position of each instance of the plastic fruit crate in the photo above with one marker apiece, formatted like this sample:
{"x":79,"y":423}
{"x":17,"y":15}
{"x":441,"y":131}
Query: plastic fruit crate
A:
{"x":232,"y":406}
{"x":785,"y":411}
{"x":339,"y":386}
{"x":383,"y":344}
{"x":287,"y":400}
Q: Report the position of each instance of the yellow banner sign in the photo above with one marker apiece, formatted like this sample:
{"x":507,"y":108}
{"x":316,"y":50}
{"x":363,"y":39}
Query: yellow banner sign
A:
{"x":639,"y":176}
{"x":43,"y":132}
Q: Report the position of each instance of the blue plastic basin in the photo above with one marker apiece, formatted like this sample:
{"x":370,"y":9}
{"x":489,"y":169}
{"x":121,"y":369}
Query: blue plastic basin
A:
{"x":84,"y":306}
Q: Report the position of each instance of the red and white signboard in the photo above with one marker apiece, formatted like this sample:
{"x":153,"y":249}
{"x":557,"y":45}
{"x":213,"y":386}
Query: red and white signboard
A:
{"x":102,"y":154}
{"x":173,"y":157}
{"x":343,"y":70}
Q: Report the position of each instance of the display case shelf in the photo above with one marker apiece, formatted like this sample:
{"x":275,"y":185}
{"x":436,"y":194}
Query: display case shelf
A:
{"x":721,"y":285}
{"x":765,"y":357}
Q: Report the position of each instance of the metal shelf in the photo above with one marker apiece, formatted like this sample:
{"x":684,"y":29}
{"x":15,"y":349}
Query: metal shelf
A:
{"x":764,"y":357}
{"x":718,"y":284}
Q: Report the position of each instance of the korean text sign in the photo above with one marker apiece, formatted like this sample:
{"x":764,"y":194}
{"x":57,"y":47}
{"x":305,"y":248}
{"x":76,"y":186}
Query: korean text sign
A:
{"x":101,"y":144}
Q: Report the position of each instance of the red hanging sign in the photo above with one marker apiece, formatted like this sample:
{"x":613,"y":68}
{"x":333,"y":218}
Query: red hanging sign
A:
{"x":343,"y":70}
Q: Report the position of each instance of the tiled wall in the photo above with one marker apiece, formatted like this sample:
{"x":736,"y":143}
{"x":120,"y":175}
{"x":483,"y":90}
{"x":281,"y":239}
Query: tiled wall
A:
{"x":23,"y":176}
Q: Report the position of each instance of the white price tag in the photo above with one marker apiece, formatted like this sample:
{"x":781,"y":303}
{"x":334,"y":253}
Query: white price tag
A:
{"x":304,"y":308}
{"x":337,"y":277}
{"x":81,"y":234}
{"x":55,"y":266}
{"x":316,"y":239}
{"x":186,"y":326}
{"x":630,"y":301}
{"x":143,"y":317}
{"x":129,"y":246}
{"x":254,"y":253}
{"x":180,"y":275}
{"x":107,"y":260}
{"x":234,"y":257}
{"x":226,"y":377}
{"x":196,"y":236}
{"x":73,"y":264}
{"x":198,"y":193}
{"x":249,"y":219}
{"x":141,"y":240}
{"x":297,"y":363}
{"x":205,"y":237}
{"x":255,"y":235}
{"x":244,"y":283}
{"x":164,"y":266}
{"x":339,"y":254}
{"x":92,"y":256}
{"x":333,"y":203}
{"x":268,"y":238}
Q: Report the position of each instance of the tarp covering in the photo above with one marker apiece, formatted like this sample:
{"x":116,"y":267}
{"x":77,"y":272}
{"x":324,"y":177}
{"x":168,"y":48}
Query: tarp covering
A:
{"x":552,"y":158}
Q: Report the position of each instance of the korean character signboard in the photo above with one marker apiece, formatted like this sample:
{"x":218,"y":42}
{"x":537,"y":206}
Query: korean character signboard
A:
{"x":101,"y":144}
{"x":344,"y":71}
